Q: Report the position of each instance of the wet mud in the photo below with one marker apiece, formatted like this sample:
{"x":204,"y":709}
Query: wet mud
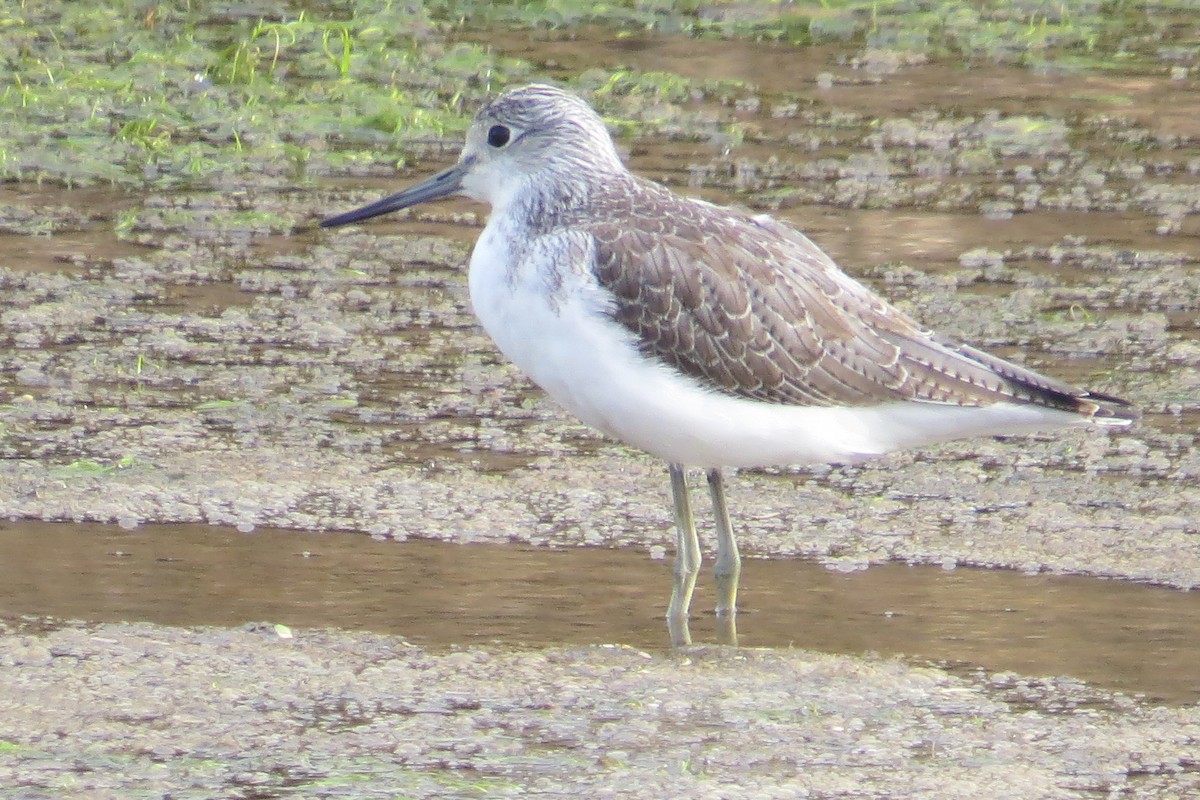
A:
{"x":342,"y":714}
{"x":440,"y":595}
{"x":207,"y":357}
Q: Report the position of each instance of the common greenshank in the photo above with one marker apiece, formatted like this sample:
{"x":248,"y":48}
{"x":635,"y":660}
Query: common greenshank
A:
{"x":707,"y":336}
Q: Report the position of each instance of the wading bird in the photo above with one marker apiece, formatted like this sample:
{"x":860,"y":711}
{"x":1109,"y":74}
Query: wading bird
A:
{"x":707,"y":336}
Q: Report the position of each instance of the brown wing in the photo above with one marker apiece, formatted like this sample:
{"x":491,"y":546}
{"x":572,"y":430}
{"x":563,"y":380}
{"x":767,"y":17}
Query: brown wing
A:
{"x":754,"y":309}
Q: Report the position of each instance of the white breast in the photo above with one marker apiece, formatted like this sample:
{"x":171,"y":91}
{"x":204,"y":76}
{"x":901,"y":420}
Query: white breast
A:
{"x":550,"y":317}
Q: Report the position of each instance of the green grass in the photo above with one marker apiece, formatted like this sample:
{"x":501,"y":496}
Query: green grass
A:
{"x":1013,"y":31}
{"x":167,"y":97}
{"x":185,"y":94}
{"x":89,"y":468}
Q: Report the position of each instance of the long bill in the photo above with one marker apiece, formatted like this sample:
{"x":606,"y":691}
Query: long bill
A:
{"x":446,"y":182}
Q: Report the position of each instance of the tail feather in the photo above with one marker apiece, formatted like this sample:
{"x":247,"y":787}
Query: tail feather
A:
{"x":1103,"y":409}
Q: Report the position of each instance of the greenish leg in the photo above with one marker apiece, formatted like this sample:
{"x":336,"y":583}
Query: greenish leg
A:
{"x":728,"y":568}
{"x":687,"y":558}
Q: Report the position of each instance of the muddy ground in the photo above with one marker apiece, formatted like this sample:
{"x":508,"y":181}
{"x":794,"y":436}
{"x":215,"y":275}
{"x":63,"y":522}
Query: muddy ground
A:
{"x":205,"y":356}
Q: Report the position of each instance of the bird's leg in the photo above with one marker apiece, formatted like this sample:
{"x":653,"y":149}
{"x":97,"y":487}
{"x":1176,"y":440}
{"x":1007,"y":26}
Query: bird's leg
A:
{"x":687,"y":557}
{"x":728,"y":568}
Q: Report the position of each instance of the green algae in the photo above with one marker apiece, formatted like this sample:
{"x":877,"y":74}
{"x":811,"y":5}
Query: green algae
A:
{"x":184,"y":94}
{"x":177,"y":96}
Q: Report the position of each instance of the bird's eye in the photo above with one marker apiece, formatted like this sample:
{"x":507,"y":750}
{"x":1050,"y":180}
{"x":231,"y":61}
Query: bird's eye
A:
{"x":498,"y":135}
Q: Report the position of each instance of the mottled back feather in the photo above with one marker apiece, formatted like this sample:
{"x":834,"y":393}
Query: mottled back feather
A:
{"x":752,"y":308}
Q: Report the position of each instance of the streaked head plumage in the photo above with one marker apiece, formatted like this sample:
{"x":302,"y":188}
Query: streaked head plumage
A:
{"x":539,"y":136}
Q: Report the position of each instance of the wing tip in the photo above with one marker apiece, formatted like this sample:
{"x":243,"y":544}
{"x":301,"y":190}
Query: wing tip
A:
{"x":1106,"y":410}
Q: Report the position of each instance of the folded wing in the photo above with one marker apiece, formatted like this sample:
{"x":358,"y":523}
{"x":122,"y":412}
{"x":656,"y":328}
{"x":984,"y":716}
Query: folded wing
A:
{"x":754,"y":309}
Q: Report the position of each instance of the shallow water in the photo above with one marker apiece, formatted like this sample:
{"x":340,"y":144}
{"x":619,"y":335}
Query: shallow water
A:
{"x":184,"y":370}
{"x":1132,"y":638}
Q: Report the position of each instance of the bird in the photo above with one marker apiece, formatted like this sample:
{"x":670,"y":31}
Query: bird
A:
{"x":708,"y":336}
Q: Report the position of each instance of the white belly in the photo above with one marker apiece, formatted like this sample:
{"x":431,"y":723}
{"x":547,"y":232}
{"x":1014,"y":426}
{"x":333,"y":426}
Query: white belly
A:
{"x":557,"y":332}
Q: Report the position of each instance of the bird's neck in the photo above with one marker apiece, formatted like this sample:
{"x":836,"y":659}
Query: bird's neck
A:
{"x":549,"y":201}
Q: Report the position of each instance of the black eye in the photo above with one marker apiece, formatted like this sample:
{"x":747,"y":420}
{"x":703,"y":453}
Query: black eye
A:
{"x":498,"y":135}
